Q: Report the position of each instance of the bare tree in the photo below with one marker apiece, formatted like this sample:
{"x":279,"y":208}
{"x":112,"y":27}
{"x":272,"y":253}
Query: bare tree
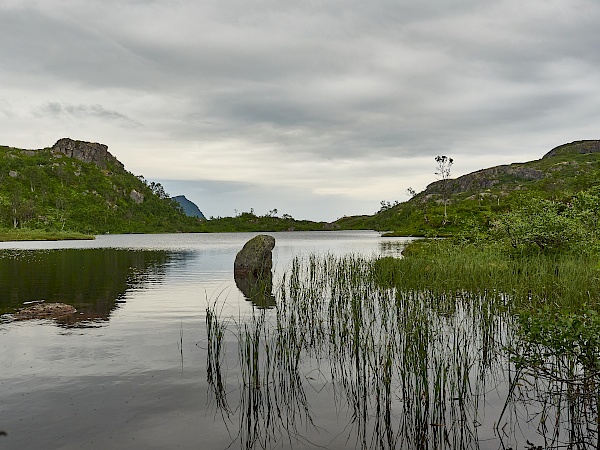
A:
{"x":444,"y":165}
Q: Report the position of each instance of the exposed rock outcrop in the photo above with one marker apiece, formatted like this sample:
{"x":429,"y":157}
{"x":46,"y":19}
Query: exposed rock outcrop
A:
{"x":136,"y":196}
{"x":485,"y":179}
{"x":89,"y":152}
{"x":256,"y":257}
{"x":582,"y":147}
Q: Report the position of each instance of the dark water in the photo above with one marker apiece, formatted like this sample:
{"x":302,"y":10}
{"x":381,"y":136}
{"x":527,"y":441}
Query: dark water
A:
{"x":129,"y":369}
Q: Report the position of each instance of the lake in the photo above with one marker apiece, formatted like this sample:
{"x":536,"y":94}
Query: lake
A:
{"x":129,"y":371}
{"x":166,"y":352}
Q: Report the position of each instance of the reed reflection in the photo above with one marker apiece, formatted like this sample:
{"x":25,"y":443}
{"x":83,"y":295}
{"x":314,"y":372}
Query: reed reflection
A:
{"x":403,"y":374}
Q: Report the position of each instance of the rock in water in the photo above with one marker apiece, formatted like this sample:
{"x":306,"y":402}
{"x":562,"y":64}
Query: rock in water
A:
{"x":256,"y":257}
{"x":45,"y":311}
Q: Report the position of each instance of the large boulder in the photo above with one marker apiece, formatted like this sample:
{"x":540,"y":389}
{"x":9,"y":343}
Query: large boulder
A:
{"x":256,"y":257}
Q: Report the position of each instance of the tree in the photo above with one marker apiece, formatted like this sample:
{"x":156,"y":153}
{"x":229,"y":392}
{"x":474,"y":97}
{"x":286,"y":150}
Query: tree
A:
{"x":444,"y":165}
{"x":158,"y":190}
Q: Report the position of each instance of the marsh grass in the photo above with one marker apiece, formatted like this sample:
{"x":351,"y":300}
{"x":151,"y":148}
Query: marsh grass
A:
{"x":215,"y":329}
{"x":408,"y":348}
{"x":25,"y":234}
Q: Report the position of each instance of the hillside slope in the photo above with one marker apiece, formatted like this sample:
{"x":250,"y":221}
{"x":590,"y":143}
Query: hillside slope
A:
{"x":80,"y":186}
{"x":478,"y":196}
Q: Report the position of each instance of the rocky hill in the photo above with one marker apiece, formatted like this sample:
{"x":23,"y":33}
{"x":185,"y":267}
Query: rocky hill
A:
{"x":81,"y":186}
{"x":513,"y":176}
{"x":577,"y":147}
{"x":479,"y":195}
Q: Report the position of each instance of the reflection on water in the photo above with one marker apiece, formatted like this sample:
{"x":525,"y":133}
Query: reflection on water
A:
{"x":395,"y":374}
{"x":392,"y":248}
{"x":387,"y":368}
{"x":258,"y":290}
{"x":139,"y":380}
{"x":91,"y":280}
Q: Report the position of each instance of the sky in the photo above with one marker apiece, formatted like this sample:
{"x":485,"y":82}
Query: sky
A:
{"x":319,"y":109}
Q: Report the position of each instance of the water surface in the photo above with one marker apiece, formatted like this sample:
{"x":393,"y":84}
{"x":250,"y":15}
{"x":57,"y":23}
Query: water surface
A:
{"x":129,"y":370}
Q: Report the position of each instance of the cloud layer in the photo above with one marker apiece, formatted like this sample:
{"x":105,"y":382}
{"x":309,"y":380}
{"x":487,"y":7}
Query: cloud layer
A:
{"x":340,"y":103}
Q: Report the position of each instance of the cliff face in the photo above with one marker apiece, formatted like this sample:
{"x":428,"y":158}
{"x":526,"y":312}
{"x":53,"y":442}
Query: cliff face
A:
{"x":89,"y":152}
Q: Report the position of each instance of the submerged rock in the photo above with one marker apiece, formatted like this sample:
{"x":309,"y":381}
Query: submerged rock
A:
{"x":45,"y":311}
{"x":256,"y":257}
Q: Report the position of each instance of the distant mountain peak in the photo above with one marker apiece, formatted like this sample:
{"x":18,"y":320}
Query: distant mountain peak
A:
{"x":189,"y":207}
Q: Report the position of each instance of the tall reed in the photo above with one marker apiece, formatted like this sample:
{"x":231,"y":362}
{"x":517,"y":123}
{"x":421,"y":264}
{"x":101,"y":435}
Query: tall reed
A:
{"x":409,"y":348}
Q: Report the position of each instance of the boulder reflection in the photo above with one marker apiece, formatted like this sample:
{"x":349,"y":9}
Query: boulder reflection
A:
{"x":258,"y":290}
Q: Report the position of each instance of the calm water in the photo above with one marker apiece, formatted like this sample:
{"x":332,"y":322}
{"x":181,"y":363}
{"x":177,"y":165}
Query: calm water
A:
{"x":129,"y":370}
{"x":346,"y":364}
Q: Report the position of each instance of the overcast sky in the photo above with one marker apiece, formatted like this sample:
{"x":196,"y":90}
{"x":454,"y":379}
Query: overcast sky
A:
{"x":317,"y":108}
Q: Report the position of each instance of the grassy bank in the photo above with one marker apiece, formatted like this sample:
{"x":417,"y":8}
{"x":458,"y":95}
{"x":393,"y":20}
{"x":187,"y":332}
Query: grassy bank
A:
{"x":560,"y":280}
{"x":21,"y":234}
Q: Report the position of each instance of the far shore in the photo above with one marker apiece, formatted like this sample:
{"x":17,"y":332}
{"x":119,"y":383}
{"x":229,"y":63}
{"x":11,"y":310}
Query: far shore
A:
{"x":21,"y":234}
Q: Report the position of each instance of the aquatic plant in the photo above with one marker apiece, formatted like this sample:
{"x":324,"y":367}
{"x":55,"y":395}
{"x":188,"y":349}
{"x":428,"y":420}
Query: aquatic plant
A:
{"x":412,"y":350}
{"x":383,"y":352}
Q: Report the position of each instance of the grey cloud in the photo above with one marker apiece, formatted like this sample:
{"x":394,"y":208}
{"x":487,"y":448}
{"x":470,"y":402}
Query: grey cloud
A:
{"x":343,"y":79}
{"x":38,"y":46}
{"x":85,"y":111}
{"x":6,"y":109}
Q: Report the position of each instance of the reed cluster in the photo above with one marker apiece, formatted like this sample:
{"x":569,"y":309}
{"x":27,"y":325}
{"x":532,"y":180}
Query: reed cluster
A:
{"x":408,"y":348}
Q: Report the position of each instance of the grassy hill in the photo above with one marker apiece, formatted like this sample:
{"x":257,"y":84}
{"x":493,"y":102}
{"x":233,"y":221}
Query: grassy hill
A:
{"x":480,"y":196}
{"x":78,"y":187}
{"x":88,"y":192}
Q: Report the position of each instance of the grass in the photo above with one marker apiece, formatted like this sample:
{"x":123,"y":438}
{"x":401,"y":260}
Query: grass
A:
{"x":409,"y":347}
{"x":24,"y":234}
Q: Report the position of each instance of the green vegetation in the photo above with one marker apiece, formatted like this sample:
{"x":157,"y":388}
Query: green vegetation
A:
{"x":24,"y":234}
{"x":249,"y":221}
{"x":47,"y":191}
{"x":449,"y":206}
{"x":47,"y":195}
